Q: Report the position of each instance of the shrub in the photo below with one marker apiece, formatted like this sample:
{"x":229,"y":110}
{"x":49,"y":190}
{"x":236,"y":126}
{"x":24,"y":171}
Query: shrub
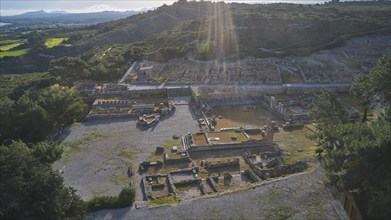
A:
{"x":101,"y":202}
{"x":125,"y":199}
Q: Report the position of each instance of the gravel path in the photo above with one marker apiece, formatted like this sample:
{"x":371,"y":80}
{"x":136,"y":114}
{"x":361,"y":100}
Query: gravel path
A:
{"x":301,"y":196}
{"x":97,"y":164}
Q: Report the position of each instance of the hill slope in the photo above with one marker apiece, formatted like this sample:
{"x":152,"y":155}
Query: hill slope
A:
{"x":206,"y":30}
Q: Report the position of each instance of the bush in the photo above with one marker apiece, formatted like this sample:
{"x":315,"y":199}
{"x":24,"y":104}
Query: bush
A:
{"x":101,"y":202}
{"x":125,"y":199}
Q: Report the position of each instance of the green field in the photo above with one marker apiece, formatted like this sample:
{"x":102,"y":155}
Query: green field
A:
{"x":168,"y":200}
{"x":6,"y":42}
{"x":6,"y":47}
{"x":9,"y":46}
{"x":13,"y":53}
{"x":56,"y":41}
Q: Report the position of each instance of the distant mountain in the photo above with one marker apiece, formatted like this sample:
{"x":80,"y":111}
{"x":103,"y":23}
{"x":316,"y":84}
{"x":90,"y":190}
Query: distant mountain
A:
{"x":32,"y":14}
{"x":59,"y":12}
{"x":43,"y":18}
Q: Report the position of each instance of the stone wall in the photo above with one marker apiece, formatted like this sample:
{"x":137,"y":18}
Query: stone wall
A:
{"x":184,"y":91}
{"x":182,"y":159}
{"x":209,"y":165}
{"x":110,"y":90}
{"x":277,"y":170}
{"x":246,"y":144}
{"x":292,"y":89}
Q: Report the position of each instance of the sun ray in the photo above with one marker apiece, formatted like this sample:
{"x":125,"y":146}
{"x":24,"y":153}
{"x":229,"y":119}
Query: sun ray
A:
{"x":217,"y":40}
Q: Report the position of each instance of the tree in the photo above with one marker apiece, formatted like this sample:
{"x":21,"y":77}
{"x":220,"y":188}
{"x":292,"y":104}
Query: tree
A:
{"x":363,"y":88}
{"x":33,"y":115}
{"x":62,"y":103}
{"x":380,"y":77}
{"x":377,"y":83}
{"x":5,"y":112}
{"x":69,"y":69}
{"x":30,"y":189}
{"x":30,"y":121}
{"x":357,"y":157}
{"x":328,"y":109}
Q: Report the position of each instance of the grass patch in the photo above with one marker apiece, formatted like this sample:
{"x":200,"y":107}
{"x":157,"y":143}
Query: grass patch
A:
{"x":170,"y":143}
{"x":56,"y":41}
{"x":174,"y":156}
{"x":13,"y":53}
{"x":280,"y":213}
{"x":307,"y":155}
{"x":154,"y":157}
{"x":226,"y":136}
{"x":120,"y":179}
{"x":158,"y":78}
{"x":291,"y":141}
{"x":127,"y":154}
{"x":168,"y":200}
{"x":75,"y":146}
{"x":271,"y":198}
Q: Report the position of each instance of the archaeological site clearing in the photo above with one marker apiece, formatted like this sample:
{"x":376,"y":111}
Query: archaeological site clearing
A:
{"x":237,"y":138}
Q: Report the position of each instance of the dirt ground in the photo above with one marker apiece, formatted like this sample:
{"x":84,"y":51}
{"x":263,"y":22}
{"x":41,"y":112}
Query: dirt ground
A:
{"x":235,"y":116}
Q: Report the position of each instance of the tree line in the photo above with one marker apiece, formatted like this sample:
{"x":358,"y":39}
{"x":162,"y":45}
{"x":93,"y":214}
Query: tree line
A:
{"x":31,"y":107}
{"x":100,"y":64}
{"x":357,"y":154}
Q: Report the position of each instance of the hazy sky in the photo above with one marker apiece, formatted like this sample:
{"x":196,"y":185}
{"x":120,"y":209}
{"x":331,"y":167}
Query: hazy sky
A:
{"x":12,"y":7}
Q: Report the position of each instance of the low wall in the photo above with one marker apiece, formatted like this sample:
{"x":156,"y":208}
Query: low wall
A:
{"x":187,"y":182}
{"x":261,"y":143}
{"x":235,"y":162}
{"x":212,"y":184}
{"x":172,"y":92}
{"x":134,"y":93}
{"x":251,"y":175}
{"x":292,"y":89}
{"x":276,"y":171}
{"x":176,"y":160}
{"x":102,"y":116}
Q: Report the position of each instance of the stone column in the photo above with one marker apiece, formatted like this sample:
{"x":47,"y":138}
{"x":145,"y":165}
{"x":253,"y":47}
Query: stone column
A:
{"x":279,"y":107}
{"x":272,"y":100}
